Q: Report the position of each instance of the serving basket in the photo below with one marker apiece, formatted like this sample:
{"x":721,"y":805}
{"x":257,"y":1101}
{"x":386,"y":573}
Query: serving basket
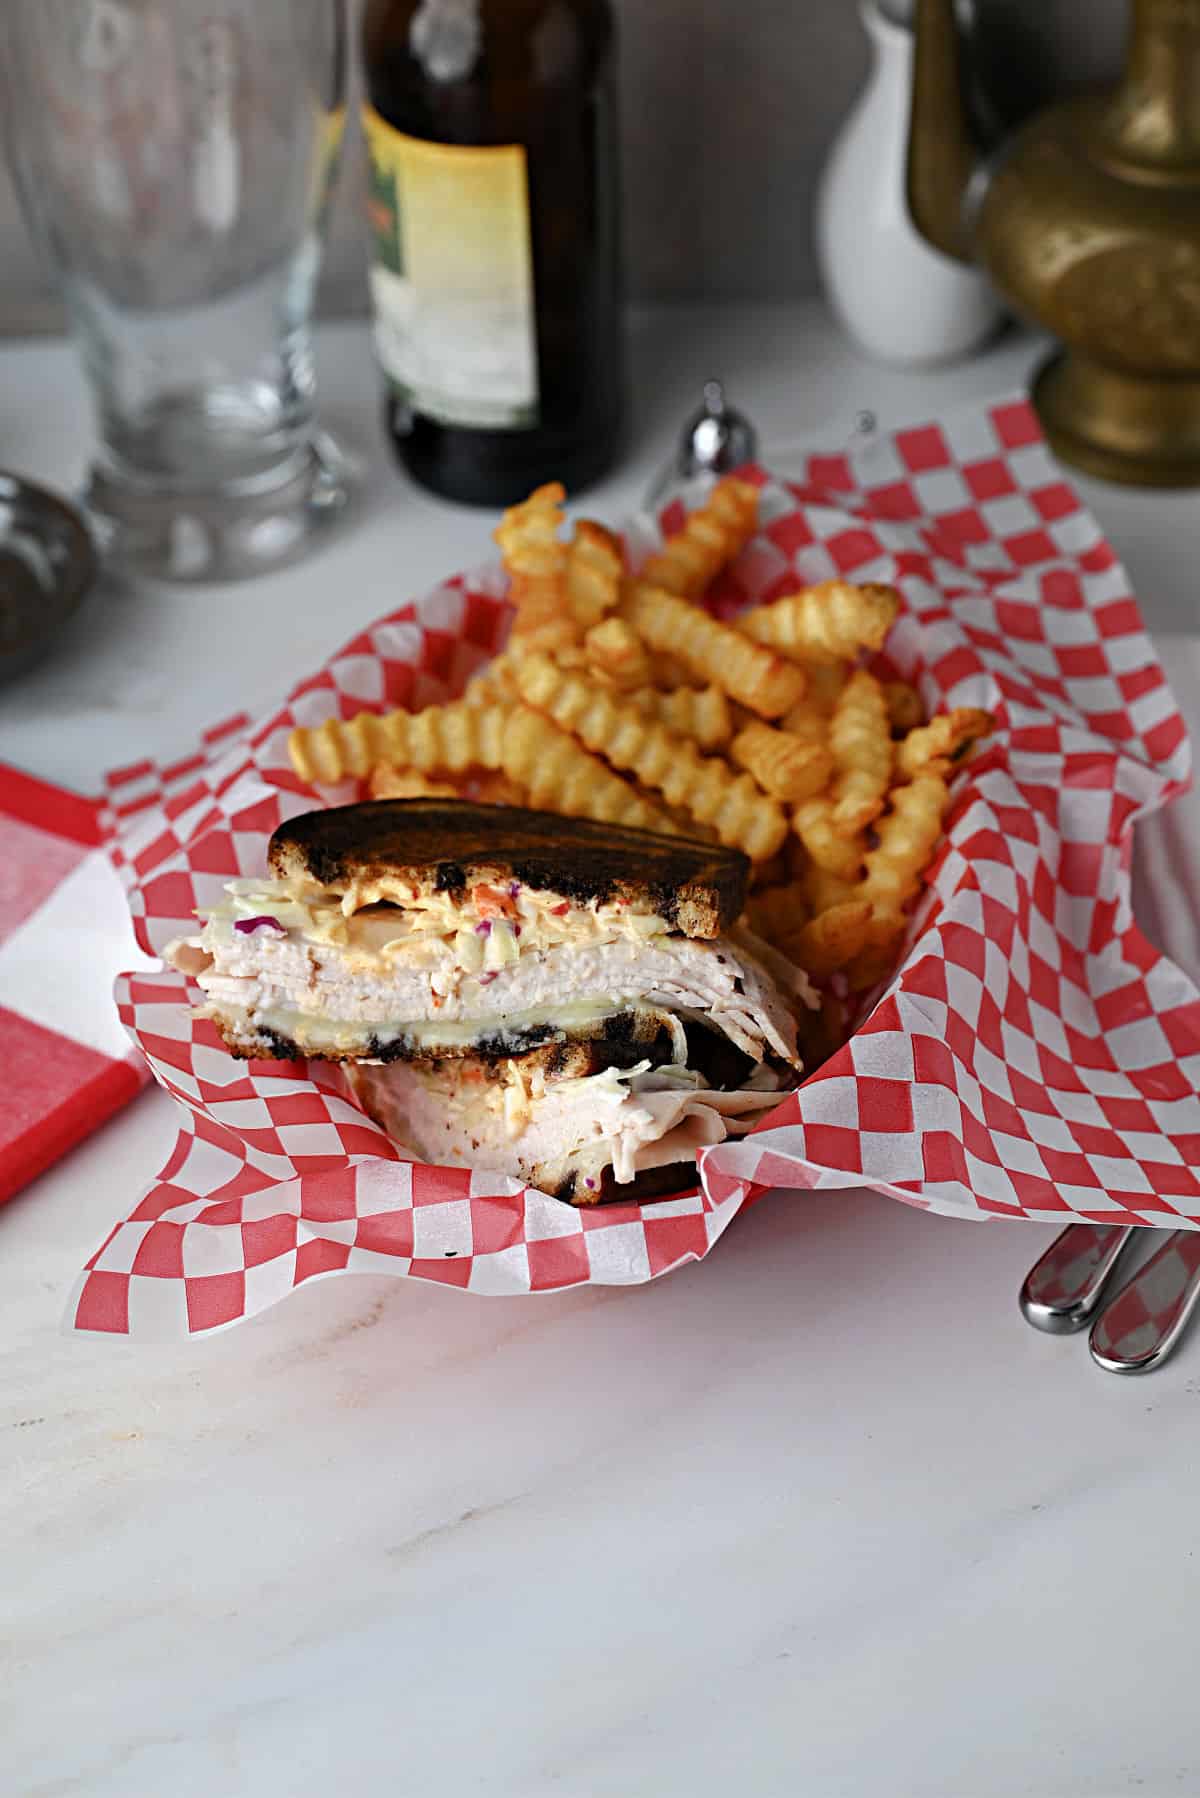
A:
{"x":1031,"y":1057}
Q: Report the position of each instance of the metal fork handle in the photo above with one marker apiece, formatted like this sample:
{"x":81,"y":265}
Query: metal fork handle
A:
{"x":1064,"y":1287}
{"x":1139,"y":1328}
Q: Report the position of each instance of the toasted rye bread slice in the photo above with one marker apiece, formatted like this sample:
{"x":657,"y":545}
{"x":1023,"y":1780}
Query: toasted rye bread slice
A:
{"x":402,"y":849}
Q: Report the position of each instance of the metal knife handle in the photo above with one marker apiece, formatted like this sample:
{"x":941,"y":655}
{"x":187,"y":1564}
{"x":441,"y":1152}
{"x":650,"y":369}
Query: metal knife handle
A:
{"x":1063,"y":1288}
{"x":1145,"y":1321}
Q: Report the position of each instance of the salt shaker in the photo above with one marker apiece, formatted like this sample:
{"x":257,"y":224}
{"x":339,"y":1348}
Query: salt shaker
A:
{"x":715,"y":439}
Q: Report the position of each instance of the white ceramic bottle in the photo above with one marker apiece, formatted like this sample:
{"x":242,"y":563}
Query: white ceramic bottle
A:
{"x":902,"y":301}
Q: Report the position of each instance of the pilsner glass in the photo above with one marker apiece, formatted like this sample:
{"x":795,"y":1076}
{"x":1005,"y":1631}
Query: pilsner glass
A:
{"x":175,"y":161}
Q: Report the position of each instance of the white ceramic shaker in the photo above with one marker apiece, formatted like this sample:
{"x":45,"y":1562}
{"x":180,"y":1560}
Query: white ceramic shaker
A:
{"x":901,"y":300}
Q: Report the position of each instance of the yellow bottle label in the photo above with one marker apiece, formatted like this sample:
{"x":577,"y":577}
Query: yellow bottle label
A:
{"x":452,"y":278}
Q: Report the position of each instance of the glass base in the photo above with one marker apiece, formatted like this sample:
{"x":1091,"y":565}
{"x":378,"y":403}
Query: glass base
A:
{"x":163,"y":535}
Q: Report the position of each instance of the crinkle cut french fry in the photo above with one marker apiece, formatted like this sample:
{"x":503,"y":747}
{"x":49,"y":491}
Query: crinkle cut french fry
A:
{"x":386,"y":781}
{"x":806,"y":721}
{"x":493,"y":787}
{"x":539,"y":607}
{"x":826,"y":683}
{"x":701,"y":713}
{"x":784,"y":766}
{"x":533,"y":555}
{"x":877,"y":957}
{"x":547,"y":640}
{"x":493,"y":682}
{"x":935,"y":747}
{"x":546,"y":764}
{"x":615,"y":649}
{"x":824,"y":889}
{"x":905,"y":708}
{"x":860,"y":737}
{"x":670,"y":674}
{"x":558,"y":635}
{"x":908,"y":834}
{"x":440,"y":740}
{"x":834,"y":938}
{"x":764,"y":682}
{"x":779,"y":915}
{"x":528,"y":533}
{"x":740,"y":811}
{"x":710,"y":538}
{"x":830,"y":622}
{"x":683,"y":823}
{"x":560,"y":776}
{"x":829,"y":847}
{"x":593,"y":571}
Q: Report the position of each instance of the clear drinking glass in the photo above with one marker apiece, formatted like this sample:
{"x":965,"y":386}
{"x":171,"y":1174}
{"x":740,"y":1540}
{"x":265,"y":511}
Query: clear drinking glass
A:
{"x":175,"y":160}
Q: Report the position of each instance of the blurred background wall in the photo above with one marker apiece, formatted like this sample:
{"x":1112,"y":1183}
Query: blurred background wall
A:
{"x":728,"y":107}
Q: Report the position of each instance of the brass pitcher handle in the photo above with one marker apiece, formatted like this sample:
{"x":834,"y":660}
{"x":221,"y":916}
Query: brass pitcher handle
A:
{"x":942,"y":153}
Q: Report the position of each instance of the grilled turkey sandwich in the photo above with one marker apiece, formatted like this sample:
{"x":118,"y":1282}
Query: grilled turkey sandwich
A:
{"x":570,"y":1002}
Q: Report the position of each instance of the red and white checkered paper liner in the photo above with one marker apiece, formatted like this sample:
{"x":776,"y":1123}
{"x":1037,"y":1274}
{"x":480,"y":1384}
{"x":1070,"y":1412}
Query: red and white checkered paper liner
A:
{"x":1034,"y":1057}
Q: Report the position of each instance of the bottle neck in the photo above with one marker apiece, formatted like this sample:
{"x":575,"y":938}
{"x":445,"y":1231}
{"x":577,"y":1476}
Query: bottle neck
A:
{"x":1153,"y":121}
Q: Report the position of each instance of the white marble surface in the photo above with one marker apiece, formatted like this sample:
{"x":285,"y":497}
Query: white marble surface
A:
{"x":818,"y":1516}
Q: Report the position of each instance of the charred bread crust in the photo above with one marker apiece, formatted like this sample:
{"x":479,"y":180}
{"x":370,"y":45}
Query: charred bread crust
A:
{"x":623,"y":1038}
{"x":615,"y":1042}
{"x":417,"y":846}
{"x":562,"y":1060}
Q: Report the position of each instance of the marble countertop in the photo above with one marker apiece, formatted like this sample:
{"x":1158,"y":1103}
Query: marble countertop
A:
{"x":818,"y":1515}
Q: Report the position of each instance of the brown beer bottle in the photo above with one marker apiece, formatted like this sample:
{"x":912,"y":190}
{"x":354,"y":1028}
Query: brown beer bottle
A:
{"x":491,"y":131}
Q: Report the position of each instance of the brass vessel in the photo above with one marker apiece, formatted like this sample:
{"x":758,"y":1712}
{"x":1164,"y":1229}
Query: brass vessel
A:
{"x":1088,"y":221}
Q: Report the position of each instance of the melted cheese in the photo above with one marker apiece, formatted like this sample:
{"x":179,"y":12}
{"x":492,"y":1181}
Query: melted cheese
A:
{"x":325,"y":1036}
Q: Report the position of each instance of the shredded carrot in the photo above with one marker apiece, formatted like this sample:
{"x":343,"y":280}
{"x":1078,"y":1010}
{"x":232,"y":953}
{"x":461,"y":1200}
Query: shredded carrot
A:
{"x":489,"y":900}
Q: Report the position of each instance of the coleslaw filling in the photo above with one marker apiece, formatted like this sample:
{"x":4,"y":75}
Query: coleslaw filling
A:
{"x":485,"y":929}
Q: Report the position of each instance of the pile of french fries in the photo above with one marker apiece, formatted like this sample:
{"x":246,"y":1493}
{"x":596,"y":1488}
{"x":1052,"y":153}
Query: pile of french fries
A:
{"x":618,"y":697}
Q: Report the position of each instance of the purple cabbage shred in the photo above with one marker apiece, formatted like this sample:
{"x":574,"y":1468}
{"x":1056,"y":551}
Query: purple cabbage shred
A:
{"x":247,"y":926}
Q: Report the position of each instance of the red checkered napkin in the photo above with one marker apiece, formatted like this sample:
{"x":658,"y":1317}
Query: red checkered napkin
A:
{"x":1034,"y":1057}
{"x":64,"y":932}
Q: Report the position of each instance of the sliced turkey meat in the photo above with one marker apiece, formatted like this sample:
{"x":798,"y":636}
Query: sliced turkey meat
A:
{"x":563,"y":1136}
{"x":273,"y":990}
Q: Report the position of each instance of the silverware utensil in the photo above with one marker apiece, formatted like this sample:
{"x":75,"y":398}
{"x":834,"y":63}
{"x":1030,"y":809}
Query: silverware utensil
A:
{"x":1065,"y":1285}
{"x":715,"y":439}
{"x":1133,"y":1330}
{"x":1143,"y":1324}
